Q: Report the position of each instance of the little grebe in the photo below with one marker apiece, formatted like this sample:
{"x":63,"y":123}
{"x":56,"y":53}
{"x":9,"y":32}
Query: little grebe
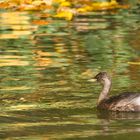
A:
{"x":124,"y":102}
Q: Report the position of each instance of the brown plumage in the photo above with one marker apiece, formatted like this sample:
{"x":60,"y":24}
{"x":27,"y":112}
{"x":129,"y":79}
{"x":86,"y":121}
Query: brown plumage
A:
{"x":124,"y":102}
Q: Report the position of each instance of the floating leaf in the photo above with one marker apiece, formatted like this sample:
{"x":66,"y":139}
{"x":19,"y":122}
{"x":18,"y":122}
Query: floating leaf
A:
{"x":65,"y":4}
{"x":70,"y":7}
{"x":103,"y":5}
{"x":68,"y":15}
{"x":59,"y":1}
{"x":85,"y":9}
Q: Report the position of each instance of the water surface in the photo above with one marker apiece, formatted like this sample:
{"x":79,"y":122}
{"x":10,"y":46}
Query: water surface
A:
{"x":44,"y":71}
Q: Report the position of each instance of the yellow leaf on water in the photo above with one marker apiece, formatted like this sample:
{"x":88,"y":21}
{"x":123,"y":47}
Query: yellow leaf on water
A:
{"x":70,"y":7}
{"x":98,"y":6}
{"x":105,"y":5}
{"x":85,"y":9}
{"x":65,"y":4}
{"x":59,"y":1}
{"x":64,"y":14}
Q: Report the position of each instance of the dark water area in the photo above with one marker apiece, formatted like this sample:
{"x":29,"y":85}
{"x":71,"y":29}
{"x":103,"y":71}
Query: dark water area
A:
{"x":45,"y":69}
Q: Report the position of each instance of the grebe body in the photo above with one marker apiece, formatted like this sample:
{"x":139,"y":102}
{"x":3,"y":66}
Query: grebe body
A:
{"x":127,"y":101}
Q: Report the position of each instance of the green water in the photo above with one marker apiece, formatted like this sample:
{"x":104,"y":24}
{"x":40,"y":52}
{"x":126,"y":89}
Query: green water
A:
{"x":44,"y":71}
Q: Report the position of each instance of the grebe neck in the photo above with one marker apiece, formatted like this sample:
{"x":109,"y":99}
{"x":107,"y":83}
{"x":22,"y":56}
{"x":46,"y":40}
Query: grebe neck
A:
{"x":105,"y":90}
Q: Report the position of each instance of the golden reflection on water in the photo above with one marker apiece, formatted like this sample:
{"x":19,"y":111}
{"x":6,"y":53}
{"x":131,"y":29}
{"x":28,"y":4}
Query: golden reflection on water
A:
{"x":44,"y":59}
{"x":55,"y":65}
{"x":18,"y":23}
{"x":15,"y":88}
{"x":14,"y":62}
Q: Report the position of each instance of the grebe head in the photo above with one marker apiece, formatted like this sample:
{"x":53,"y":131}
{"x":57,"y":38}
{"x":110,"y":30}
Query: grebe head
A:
{"x":102,"y":77}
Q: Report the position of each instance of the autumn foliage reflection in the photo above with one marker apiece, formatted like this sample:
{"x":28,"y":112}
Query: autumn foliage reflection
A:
{"x":66,"y":9}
